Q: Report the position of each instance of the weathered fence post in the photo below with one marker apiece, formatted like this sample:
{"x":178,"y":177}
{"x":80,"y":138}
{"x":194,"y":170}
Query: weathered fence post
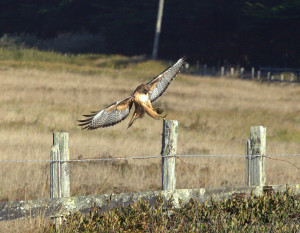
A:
{"x":65,"y":166}
{"x":255,"y":166}
{"x":59,"y":171}
{"x":169,"y":146}
{"x":54,"y":172}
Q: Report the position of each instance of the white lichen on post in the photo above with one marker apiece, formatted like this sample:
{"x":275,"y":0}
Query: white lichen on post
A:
{"x":257,"y":152}
{"x":169,"y":147}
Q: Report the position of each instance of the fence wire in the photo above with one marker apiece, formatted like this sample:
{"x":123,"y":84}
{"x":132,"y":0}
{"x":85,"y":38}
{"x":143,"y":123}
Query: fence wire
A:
{"x":140,"y":157}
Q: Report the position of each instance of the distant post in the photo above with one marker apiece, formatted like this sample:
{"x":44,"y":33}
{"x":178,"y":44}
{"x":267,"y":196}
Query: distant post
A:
{"x":222,"y":71}
{"x":231,"y":71}
{"x":258,"y":75}
{"x":255,"y":162}
{"x":242,"y":72}
{"x":169,"y":147}
{"x":157,"y":29}
{"x":252,"y":72}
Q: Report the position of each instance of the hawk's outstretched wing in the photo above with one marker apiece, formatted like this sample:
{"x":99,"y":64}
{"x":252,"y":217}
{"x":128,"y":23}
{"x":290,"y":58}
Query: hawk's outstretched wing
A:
{"x":109,"y":116}
{"x":160,"y":83}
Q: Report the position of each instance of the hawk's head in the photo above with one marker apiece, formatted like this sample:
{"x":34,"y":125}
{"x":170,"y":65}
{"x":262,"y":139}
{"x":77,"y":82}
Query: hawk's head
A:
{"x":143,"y":89}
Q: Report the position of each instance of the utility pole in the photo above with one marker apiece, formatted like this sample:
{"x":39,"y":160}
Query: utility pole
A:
{"x":157,"y":30}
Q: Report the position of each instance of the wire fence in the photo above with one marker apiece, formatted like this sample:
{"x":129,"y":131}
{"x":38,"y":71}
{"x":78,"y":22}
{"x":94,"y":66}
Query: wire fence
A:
{"x":140,"y":157}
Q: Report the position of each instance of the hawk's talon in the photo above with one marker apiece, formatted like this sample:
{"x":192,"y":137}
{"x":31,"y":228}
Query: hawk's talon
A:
{"x":159,"y":110}
{"x":163,"y":117}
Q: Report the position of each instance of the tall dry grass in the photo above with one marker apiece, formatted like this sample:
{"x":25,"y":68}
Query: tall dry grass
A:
{"x":214,"y":115}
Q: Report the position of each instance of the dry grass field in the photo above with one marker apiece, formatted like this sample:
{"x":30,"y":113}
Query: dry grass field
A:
{"x":46,"y":92}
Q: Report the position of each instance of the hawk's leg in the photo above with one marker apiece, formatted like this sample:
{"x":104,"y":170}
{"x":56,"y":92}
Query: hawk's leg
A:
{"x":151,"y":112}
{"x":134,"y":117}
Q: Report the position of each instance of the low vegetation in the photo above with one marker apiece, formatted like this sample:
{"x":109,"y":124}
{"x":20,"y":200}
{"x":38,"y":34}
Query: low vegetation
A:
{"x":273,"y":212}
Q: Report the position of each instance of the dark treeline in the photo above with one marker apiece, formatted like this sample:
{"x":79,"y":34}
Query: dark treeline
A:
{"x":246,"y":32}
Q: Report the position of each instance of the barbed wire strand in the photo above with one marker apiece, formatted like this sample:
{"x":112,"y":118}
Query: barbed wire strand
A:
{"x":140,"y":157}
{"x":284,"y":161}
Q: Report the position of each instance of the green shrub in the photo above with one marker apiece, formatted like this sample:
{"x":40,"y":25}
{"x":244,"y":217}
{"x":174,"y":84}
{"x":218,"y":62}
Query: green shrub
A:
{"x":269,"y":213}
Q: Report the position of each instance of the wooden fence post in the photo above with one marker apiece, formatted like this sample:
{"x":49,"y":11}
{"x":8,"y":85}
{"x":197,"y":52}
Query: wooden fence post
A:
{"x":169,"y":146}
{"x":64,"y":166}
{"x":60,"y":171}
{"x":54,"y":172}
{"x":255,"y":166}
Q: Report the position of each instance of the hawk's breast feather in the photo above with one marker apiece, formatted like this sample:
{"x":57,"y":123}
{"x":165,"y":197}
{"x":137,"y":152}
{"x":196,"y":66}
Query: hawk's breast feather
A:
{"x":143,"y":98}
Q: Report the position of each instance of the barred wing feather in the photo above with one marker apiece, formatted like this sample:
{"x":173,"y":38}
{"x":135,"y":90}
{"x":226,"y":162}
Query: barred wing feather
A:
{"x":109,"y":116}
{"x":160,"y":84}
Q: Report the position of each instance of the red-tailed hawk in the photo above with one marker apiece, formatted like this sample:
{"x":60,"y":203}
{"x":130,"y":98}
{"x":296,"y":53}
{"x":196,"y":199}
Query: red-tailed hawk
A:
{"x":142,"y":98}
